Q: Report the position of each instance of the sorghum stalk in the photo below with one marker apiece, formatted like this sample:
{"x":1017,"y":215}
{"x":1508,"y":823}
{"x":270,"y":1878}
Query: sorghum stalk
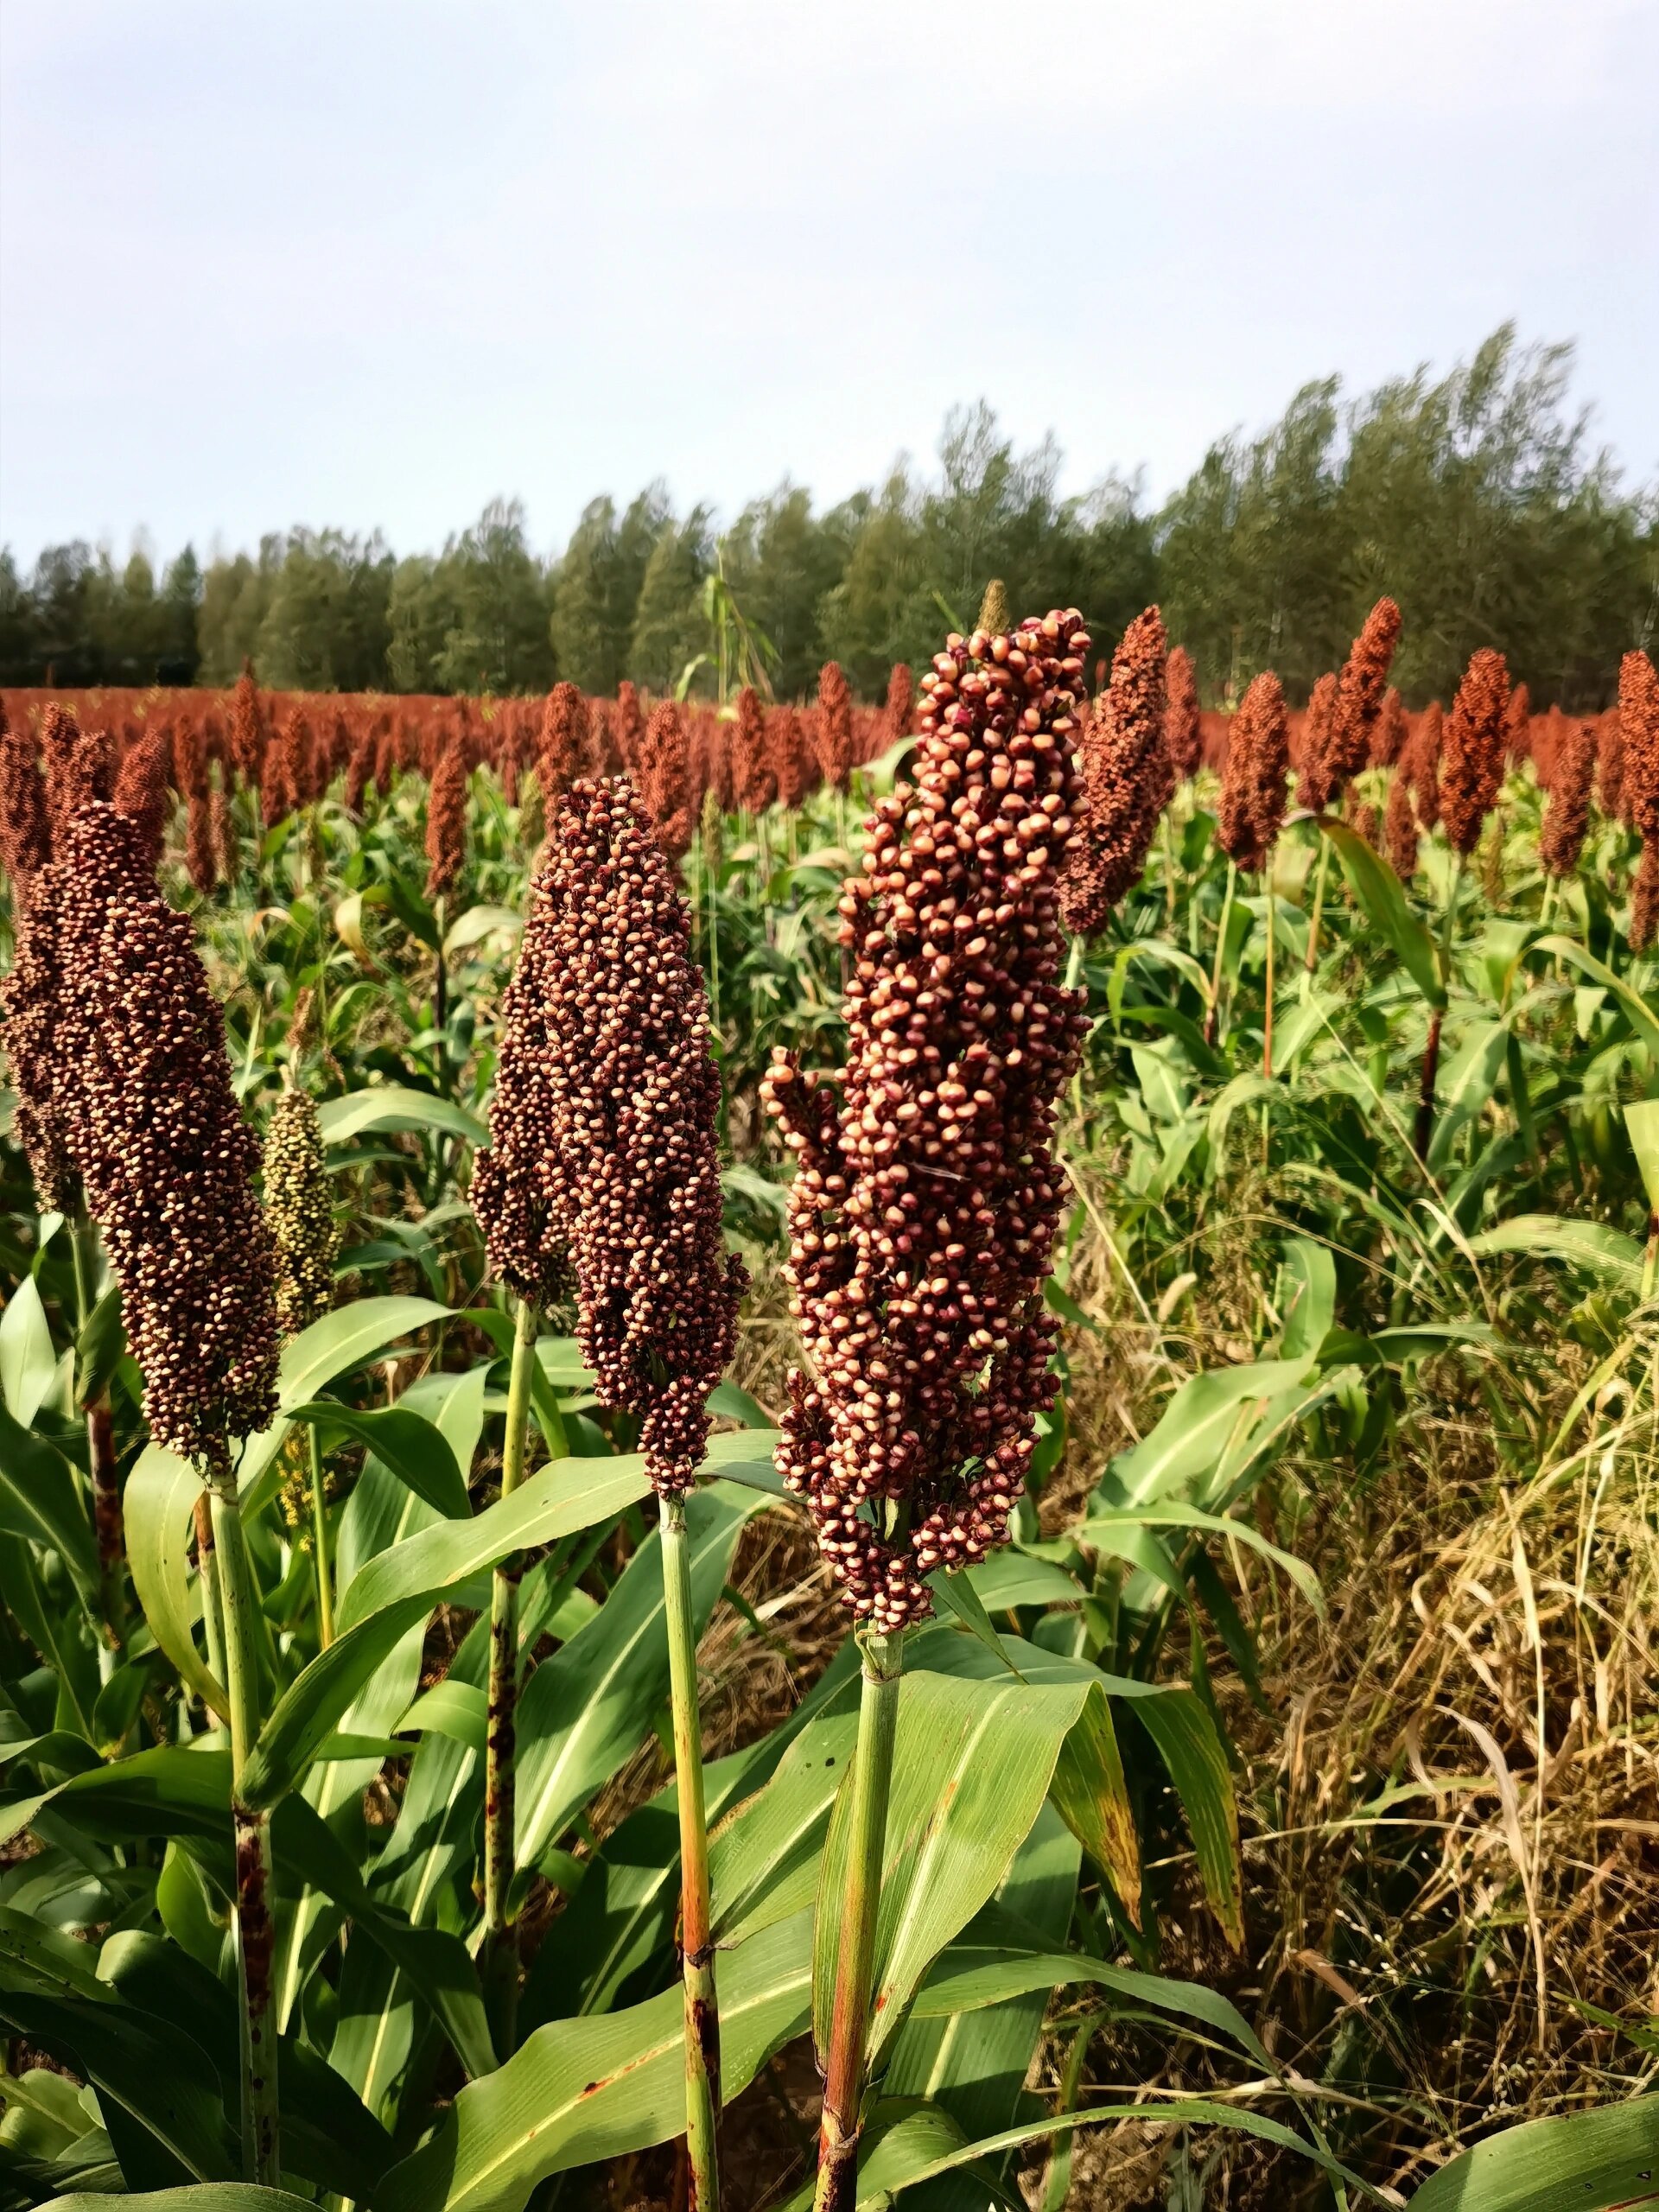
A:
{"x":1432,"y":1049}
{"x":1212,"y":1017}
{"x":1311,"y":958}
{"x":696,"y":1939}
{"x":101,"y":1463}
{"x":1266,"y":1018}
{"x":878,"y":1717}
{"x":320,"y":1540}
{"x":501,"y":1966}
{"x":255,"y":1935}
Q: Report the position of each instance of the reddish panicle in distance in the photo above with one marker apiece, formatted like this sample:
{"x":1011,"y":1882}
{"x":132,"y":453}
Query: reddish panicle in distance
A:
{"x":1358,"y":699}
{"x":1566,"y":812}
{"x":1126,"y":775}
{"x":663,"y":777}
{"x":1182,"y":721}
{"x":1471,"y":758}
{"x":1254,"y":782}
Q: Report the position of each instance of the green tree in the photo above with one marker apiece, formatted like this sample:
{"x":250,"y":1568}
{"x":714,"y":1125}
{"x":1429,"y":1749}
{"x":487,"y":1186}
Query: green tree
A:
{"x":596,"y":588}
{"x":669,"y":627}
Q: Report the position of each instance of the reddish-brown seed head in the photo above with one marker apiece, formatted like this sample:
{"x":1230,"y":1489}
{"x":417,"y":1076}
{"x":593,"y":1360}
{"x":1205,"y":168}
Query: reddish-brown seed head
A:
{"x":1316,"y":780}
{"x":926,"y":1196}
{"x":446,"y":820}
{"x":1638,"y":723}
{"x":745,"y":735}
{"x":1182,"y":729}
{"x":1359,"y":697}
{"x":1255,"y":784}
{"x":833,"y":731}
{"x":25,"y":838}
{"x":1567,"y":814}
{"x":601,"y":1156}
{"x":1472,"y":762}
{"x":1127,"y":780}
{"x":663,"y":776}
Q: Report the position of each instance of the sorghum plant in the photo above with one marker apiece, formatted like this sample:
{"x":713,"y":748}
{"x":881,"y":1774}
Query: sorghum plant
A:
{"x":925,"y":1199}
{"x":149,"y":1122}
{"x":1255,"y":788}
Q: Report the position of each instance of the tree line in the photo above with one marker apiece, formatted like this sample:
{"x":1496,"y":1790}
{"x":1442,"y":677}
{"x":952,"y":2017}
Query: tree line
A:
{"x":1476,"y":498}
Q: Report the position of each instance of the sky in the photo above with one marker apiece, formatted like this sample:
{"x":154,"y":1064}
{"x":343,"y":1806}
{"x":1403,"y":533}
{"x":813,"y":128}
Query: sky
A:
{"x":293,"y":262}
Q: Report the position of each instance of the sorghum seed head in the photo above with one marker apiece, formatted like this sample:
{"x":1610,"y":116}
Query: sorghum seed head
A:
{"x":299,"y":1208}
{"x":1127,"y":778}
{"x":1254,"y":782}
{"x":1566,"y":813}
{"x":166,"y":1158}
{"x":1359,"y":697}
{"x":1182,"y":725}
{"x":752,"y":777}
{"x":833,"y":730}
{"x":1472,"y":764}
{"x":446,"y":820}
{"x":926,"y":1196}
{"x":601,"y":1153}
{"x":663,"y":776}
{"x":1638,"y":722}
{"x":1316,"y":785}
{"x":25,"y":839}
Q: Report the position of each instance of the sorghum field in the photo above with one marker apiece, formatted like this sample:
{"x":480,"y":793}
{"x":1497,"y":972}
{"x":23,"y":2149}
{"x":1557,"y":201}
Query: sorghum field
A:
{"x":901,"y":1449}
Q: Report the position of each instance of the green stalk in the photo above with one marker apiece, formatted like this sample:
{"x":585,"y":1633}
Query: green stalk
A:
{"x":213,"y":1610}
{"x":1432,"y":1049}
{"x":1169,"y":868}
{"x":107,"y":1526}
{"x":501,"y":1962}
{"x":440,"y":981}
{"x":697,"y":1942}
{"x":1311,"y":960}
{"x":1212,"y":1018}
{"x":1266,"y":1018}
{"x":255,"y":1933}
{"x":320,"y":1542}
{"x":877,"y":1714}
{"x":1651,"y":1259}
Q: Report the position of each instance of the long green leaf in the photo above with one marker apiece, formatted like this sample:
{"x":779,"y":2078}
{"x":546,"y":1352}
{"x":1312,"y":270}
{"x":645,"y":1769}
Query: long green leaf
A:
{"x":1602,"y":2161}
{"x":330,"y":1348}
{"x":1637,"y":1010}
{"x":391,"y":1106}
{"x":205,"y":2196}
{"x":416,"y":1450}
{"x":972,"y":1763}
{"x":585,"y":2089}
{"x":1589,"y":1244}
{"x":38,"y":1499}
{"x":584,"y":1710}
{"x":27,"y":1362}
{"x":1381,"y":893}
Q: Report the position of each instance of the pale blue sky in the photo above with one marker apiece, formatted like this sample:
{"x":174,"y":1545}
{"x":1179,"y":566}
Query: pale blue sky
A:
{"x":362,"y":262}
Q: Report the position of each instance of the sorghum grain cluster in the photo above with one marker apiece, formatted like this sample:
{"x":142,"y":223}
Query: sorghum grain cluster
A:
{"x":925,"y":1197}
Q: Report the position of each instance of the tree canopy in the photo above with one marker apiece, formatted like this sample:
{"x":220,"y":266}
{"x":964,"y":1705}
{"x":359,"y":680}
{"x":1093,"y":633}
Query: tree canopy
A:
{"x":1476,"y":498}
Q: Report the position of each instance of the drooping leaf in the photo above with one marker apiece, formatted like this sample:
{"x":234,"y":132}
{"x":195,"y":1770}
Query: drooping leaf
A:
{"x":1380,"y":892}
{"x":1637,"y":1010}
{"x":27,"y":1362}
{"x":1589,"y":1244}
{"x":415,"y":1450}
{"x":391,"y":1106}
{"x":38,"y":1500}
